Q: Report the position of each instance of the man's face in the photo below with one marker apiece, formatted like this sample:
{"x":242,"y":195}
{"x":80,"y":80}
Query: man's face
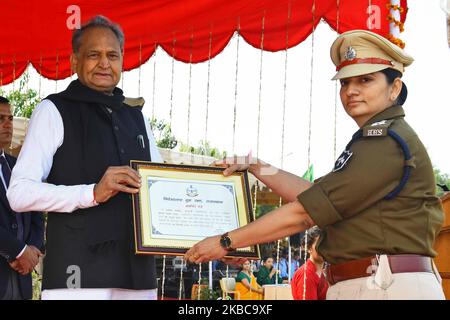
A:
{"x":98,"y":62}
{"x":6,"y":125}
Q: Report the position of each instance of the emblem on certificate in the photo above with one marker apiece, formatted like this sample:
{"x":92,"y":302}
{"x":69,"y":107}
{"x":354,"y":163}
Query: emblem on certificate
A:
{"x":179,"y":205}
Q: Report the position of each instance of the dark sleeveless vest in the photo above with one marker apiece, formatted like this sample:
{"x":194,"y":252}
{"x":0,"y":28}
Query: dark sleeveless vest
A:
{"x":97,"y":243}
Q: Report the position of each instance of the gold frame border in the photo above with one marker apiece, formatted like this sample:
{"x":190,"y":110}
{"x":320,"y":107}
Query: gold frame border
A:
{"x":251,"y":252}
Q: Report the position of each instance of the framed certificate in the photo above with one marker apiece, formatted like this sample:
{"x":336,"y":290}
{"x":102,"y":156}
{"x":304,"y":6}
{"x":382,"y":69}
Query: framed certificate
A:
{"x":179,"y":205}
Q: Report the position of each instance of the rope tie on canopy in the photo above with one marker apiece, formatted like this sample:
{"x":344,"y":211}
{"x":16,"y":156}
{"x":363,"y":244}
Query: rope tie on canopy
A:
{"x":171,"y":83}
{"x":255,"y":195}
{"x":199,"y":289}
{"x":260,"y":84}
{"x":154,"y":80}
{"x":208,"y":86}
{"x":236,"y":86}
{"x":191,"y":40}
{"x":40,"y":75}
{"x":14,"y":73}
{"x":139,"y":71}
{"x":206,"y":132}
{"x":278,"y":264}
{"x":250,"y":282}
{"x":27,"y":76}
{"x":288,"y":22}
{"x":56,"y":71}
{"x":336,"y":87}
{"x":180,"y":290}
{"x":227,"y":275}
{"x":163,"y":281}
{"x":313,"y":11}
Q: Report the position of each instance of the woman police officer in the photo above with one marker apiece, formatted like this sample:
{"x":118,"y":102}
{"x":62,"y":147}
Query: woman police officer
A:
{"x":377,"y":208}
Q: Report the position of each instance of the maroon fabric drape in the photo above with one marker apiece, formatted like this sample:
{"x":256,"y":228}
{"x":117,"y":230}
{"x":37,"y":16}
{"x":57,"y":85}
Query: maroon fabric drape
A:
{"x":36,"y":31}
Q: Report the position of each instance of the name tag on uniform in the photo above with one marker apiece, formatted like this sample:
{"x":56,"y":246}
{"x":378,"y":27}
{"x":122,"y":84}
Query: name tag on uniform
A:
{"x":374,"y":132}
{"x":377,"y":129}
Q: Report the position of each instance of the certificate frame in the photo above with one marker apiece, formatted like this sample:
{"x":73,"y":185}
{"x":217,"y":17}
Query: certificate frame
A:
{"x":148,"y":240}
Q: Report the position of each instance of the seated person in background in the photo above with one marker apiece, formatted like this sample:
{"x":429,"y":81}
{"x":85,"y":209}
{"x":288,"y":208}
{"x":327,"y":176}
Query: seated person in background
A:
{"x":246,"y":284}
{"x":315,"y":283}
{"x":283,"y":265}
{"x":298,"y":259}
{"x":267,"y":273}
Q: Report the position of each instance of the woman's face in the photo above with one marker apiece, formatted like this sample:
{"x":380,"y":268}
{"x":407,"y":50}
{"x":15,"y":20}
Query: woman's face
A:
{"x":269,"y":263}
{"x":365,"y":96}
{"x":246,"y":266}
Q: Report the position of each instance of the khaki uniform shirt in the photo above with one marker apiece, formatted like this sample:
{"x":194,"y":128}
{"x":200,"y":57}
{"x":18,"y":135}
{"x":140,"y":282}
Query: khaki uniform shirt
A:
{"x":348,"y":204}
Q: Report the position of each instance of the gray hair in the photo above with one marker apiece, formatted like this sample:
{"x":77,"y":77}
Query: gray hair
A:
{"x":97,"y":22}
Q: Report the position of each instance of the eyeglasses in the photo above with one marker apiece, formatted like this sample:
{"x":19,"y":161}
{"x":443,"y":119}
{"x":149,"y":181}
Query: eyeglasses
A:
{"x":3,"y":118}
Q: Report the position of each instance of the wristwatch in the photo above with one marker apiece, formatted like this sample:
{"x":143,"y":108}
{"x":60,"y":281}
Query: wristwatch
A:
{"x":225,"y":242}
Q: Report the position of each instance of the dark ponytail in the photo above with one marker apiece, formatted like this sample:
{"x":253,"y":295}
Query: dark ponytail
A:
{"x":314,"y":233}
{"x":391,"y":75}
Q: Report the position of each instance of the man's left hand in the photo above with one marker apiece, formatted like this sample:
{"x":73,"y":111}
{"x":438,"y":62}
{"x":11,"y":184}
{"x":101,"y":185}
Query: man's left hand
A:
{"x":206,"y":250}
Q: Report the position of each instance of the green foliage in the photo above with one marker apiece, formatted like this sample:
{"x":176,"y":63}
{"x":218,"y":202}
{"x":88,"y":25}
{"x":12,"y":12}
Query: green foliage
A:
{"x":37,"y":282}
{"x":163,"y":134}
{"x":208,"y":294}
{"x":22,"y":100}
{"x":203,"y":149}
{"x":263,"y":209}
{"x":441,"y":178}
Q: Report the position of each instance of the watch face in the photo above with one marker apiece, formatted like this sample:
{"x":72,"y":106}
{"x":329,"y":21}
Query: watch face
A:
{"x":225,"y":242}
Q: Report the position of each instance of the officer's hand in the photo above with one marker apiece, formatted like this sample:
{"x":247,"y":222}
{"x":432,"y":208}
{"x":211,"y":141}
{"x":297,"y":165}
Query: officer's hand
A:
{"x":236,"y":163}
{"x":115,"y":180}
{"x":206,"y":250}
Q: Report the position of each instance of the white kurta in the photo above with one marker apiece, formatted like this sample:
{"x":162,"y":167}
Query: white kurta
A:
{"x":29,"y":191}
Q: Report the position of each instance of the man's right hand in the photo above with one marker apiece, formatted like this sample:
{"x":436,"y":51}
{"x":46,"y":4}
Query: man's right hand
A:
{"x":27,"y":261}
{"x":115,"y":180}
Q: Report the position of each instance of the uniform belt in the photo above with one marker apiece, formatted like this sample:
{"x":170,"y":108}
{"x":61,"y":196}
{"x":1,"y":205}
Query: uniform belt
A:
{"x":363,"y":267}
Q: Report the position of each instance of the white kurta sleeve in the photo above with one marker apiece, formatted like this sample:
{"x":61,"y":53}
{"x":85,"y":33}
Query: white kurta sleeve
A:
{"x":28,"y":190}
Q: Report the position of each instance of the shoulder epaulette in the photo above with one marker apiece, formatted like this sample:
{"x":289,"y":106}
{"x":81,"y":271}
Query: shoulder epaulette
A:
{"x":377,"y":129}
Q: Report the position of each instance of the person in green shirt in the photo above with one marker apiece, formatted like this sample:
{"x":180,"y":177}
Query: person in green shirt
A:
{"x":267,"y":274}
{"x":377,"y":208}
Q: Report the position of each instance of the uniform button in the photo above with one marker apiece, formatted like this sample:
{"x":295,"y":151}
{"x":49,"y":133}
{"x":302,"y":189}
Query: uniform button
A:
{"x":122,"y":151}
{"x":14,"y":226}
{"x":116,"y":128}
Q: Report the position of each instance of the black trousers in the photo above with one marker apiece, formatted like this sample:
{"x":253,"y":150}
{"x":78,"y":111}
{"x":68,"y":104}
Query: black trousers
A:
{"x":13,"y":291}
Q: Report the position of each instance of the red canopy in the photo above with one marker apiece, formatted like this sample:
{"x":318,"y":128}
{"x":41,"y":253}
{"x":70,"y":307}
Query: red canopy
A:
{"x":36,"y":31}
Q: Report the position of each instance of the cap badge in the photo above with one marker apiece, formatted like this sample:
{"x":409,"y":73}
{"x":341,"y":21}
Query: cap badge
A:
{"x":350,"y":54}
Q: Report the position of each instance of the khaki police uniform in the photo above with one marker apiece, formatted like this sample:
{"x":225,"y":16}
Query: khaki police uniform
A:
{"x":380,"y":197}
